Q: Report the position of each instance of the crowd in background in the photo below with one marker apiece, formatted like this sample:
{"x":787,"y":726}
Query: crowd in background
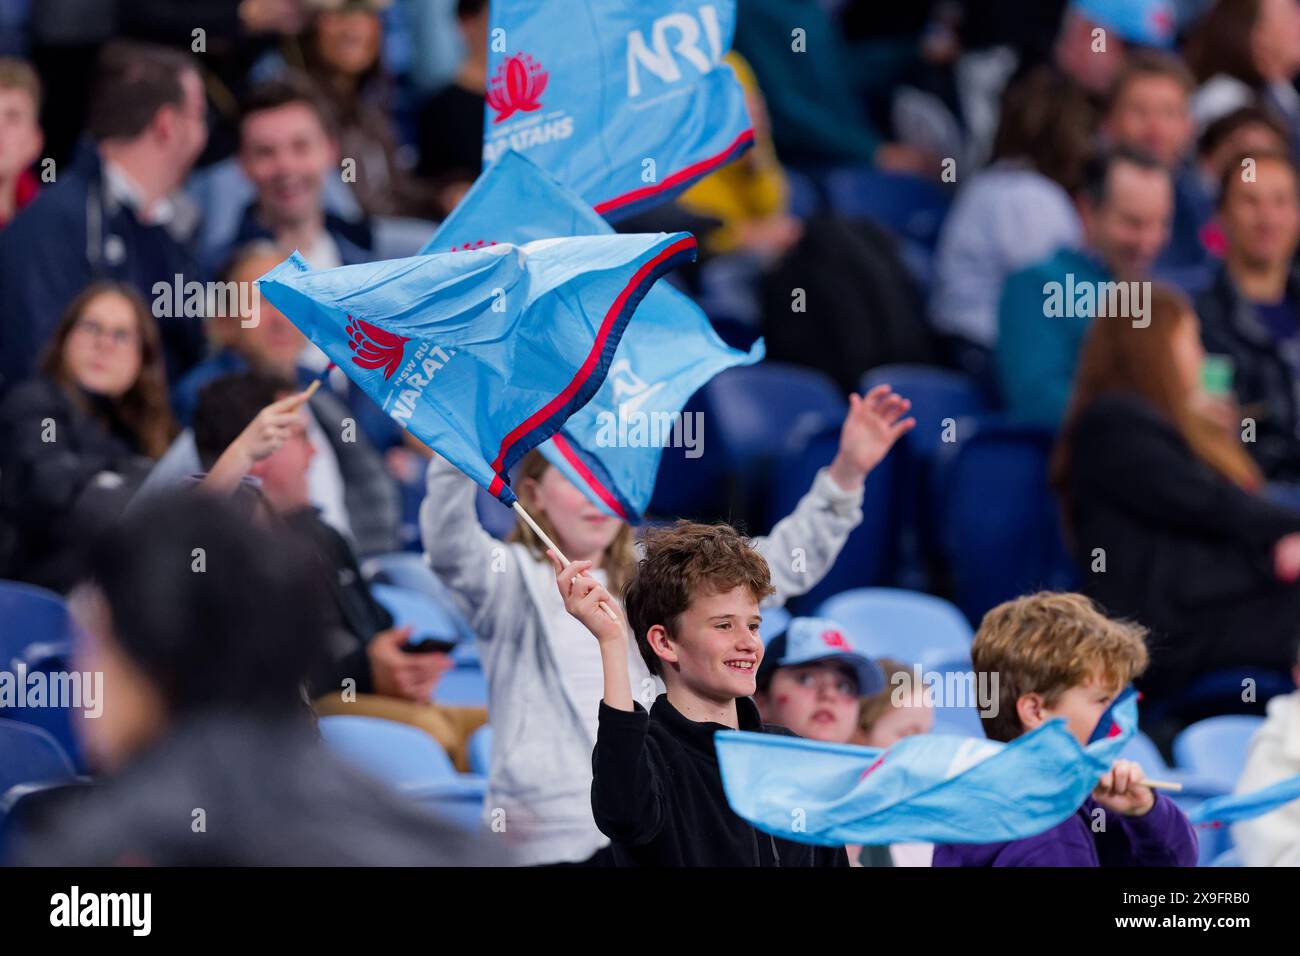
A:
{"x":1159,"y":150}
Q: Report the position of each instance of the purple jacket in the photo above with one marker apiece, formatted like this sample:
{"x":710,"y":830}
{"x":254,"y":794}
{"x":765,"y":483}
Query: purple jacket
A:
{"x":1162,"y":837}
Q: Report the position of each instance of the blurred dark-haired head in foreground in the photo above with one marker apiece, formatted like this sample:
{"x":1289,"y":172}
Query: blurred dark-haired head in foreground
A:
{"x":204,"y":628}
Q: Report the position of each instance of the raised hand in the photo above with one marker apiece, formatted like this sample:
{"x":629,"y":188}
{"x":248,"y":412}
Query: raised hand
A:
{"x":583,"y":596}
{"x":874,"y":423}
{"x":1120,"y":791}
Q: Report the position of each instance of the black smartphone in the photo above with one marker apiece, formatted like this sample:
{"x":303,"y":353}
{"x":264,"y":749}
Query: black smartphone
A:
{"x":428,"y":645}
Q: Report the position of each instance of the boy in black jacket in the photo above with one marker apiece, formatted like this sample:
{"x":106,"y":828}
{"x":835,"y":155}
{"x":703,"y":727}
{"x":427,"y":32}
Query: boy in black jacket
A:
{"x":657,"y":792}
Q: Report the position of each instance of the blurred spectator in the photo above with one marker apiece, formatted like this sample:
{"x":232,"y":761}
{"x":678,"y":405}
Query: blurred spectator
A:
{"x":252,"y":418}
{"x":288,"y":146}
{"x":20,"y":137}
{"x":1016,"y":212}
{"x":1148,"y":110}
{"x":77,"y":440}
{"x":899,"y":710}
{"x":1247,"y":52}
{"x":815,"y":92}
{"x":67,"y":37}
{"x":235,"y":33}
{"x":116,"y":213}
{"x":1097,"y":36}
{"x":1274,"y":756}
{"x":451,"y":120}
{"x":346,"y":478}
{"x":341,"y":51}
{"x":1125,"y":204}
{"x":868,"y":311}
{"x":1164,"y":506}
{"x":1252,"y":312}
{"x":202,"y":677}
{"x":1248,"y":131}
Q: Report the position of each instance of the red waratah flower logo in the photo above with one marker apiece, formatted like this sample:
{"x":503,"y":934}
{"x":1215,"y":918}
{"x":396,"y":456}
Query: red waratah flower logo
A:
{"x":836,"y":640}
{"x":517,"y":87}
{"x":375,"y":347}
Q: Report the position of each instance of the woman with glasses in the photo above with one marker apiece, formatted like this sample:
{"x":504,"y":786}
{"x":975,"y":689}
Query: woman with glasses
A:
{"x":78,"y":438}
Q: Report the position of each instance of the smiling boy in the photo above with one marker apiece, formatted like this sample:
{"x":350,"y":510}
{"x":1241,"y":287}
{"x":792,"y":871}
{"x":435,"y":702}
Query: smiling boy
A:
{"x":1056,"y":655}
{"x":693,"y":606}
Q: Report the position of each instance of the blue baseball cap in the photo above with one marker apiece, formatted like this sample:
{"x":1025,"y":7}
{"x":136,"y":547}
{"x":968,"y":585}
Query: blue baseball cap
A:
{"x":1147,"y":22}
{"x":809,"y":640}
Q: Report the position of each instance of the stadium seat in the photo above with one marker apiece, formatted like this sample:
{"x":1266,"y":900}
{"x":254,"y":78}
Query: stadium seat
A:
{"x":905,"y":625}
{"x":409,"y":761}
{"x":775,"y":621}
{"x":480,"y":750}
{"x":911,"y":207}
{"x":1143,"y":750}
{"x":958,"y":721}
{"x":462,"y":686}
{"x":1000,"y":526}
{"x":937,"y":396}
{"x":1216,"y":747}
{"x":409,"y":571}
{"x":30,"y":755}
{"x":867,"y":555}
{"x":753,"y":413}
{"x":37,"y":636}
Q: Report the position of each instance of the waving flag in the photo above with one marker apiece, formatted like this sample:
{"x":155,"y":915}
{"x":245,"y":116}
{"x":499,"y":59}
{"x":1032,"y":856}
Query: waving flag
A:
{"x":481,"y":355}
{"x":665,"y":356}
{"x":927,"y":787}
{"x":1236,"y":807}
{"x":627,"y":103}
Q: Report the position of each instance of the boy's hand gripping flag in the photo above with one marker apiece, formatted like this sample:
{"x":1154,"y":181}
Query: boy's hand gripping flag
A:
{"x":482,"y":355}
{"x":626,"y":103}
{"x":926,"y":788}
{"x":665,"y":356}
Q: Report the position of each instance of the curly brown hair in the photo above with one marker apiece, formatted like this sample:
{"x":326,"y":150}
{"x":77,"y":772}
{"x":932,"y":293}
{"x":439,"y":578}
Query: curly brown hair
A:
{"x":682,"y":562}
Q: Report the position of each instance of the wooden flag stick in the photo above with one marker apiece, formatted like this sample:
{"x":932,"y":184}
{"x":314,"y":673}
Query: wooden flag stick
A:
{"x":1161,"y":785}
{"x":546,"y":540}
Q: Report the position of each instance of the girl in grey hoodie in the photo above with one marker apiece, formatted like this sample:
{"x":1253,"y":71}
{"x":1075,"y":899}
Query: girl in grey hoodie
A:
{"x":543,"y":671}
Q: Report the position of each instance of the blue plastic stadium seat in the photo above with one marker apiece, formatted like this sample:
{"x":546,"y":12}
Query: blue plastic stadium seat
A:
{"x":911,"y":207}
{"x":905,"y":625}
{"x":408,"y":760}
{"x":37,"y":636}
{"x":1143,"y":750}
{"x":1216,"y":747}
{"x":29,"y":754}
{"x":462,"y":686}
{"x":1001,"y":528}
{"x":867,"y":555}
{"x":756,"y":410}
{"x":775,"y":621}
{"x":939,"y":397}
{"x":480,"y":750}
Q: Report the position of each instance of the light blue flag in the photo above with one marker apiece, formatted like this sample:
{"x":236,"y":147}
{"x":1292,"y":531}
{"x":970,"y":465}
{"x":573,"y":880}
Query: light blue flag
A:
{"x":925,"y":788}
{"x":1236,"y":807}
{"x":482,"y":355}
{"x":626,"y":103}
{"x":611,"y":447}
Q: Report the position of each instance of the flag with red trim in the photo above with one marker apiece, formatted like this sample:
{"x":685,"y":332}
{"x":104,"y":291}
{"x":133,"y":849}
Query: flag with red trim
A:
{"x":481,"y":354}
{"x":611,"y":447}
{"x":626,"y":103}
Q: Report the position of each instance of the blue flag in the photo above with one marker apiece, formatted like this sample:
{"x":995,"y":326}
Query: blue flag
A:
{"x":610,"y":448}
{"x":626,"y":103}
{"x":928,"y":788}
{"x":482,"y":355}
{"x":1237,"y":807}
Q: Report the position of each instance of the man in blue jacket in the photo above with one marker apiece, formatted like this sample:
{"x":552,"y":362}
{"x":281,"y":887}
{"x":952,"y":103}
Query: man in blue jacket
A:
{"x":1125,"y":205}
{"x":115,"y":213}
